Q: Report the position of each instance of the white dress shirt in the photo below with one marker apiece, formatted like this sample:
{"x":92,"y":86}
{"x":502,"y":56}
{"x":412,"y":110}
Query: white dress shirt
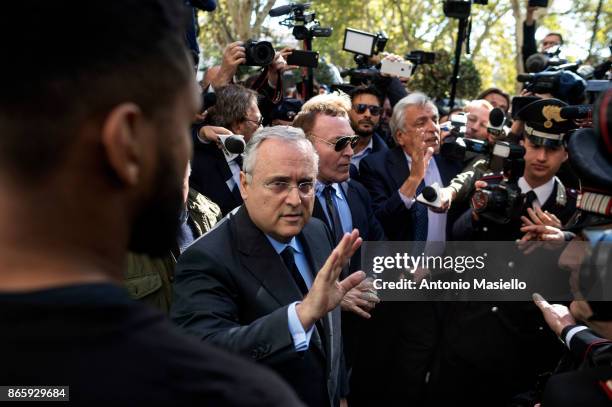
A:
{"x":436,"y":222}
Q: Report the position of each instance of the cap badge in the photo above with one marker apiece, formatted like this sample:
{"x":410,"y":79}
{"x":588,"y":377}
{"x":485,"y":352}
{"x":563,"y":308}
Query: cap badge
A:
{"x":552,"y":113}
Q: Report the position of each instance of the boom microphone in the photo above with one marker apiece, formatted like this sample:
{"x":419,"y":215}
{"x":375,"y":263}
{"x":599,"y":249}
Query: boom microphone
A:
{"x":289,"y":8}
{"x":281,"y":11}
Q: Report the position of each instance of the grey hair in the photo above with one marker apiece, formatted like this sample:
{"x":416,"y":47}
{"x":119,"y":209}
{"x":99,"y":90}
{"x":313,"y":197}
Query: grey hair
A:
{"x":398,"y":118}
{"x":289,"y":134}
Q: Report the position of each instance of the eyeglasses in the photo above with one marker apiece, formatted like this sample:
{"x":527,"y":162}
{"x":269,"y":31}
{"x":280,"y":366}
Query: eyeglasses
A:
{"x":305,"y":189}
{"x":259,"y":121}
{"x":341,"y":143}
{"x":361,"y":108}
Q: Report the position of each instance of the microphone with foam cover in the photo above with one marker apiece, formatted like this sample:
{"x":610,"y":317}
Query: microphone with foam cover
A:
{"x":497,"y":120}
{"x":430,"y":196}
{"x":576,"y":112}
{"x":281,"y":11}
{"x":233,"y":143}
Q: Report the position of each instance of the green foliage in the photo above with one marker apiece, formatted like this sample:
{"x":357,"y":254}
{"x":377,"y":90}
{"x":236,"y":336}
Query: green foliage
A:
{"x":434,"y":80}
{"x":419,"y":24}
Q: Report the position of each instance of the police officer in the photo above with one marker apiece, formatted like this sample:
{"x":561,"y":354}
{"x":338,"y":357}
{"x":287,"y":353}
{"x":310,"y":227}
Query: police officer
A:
{"x":504,"y":346}
{"x":543,"y":193}
{"x":585,"y":375}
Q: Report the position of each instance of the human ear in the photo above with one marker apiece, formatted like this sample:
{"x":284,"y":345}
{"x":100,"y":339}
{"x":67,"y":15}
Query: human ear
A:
{"x":123,"y":143}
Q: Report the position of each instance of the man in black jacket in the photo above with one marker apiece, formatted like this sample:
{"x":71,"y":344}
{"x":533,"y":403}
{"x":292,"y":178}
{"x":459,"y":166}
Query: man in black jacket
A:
{"x":84,"y":175}
{"x":261,"y":283}
{"x":216,"y":174}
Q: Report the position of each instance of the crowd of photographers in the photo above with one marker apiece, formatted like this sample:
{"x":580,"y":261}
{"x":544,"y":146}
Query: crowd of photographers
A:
{"x":252,"y":245}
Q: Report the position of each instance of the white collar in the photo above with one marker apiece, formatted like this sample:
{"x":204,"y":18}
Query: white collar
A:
{"x":543,"y":192}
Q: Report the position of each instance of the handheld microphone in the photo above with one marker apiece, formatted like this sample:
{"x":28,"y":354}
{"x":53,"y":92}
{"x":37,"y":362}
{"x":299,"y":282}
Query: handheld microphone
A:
{"x":430,"y":196}
{"x":497,"y":120}
{"x":232,"y":143}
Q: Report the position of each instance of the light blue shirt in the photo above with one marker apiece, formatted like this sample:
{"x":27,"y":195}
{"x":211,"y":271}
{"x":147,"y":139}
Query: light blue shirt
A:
{"x":234,"y":180}
{"x":344,"y":211}
{"x":301,"y":338}
{"x":356,"y":158}
{"x":436,"y":222}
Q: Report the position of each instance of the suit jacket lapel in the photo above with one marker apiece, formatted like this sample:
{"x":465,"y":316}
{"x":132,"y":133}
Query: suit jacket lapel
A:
{"x":446,"y":169}
{"x":261,"y":260}
{"x":352,"y":198}
{"x":398,"y":165}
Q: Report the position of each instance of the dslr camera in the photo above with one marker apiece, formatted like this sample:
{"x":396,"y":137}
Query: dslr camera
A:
{"x":258,"y":53}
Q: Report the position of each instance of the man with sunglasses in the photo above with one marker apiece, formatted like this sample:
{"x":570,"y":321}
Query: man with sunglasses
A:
{"x":215,"y":174}
{"x":251,"y":284}
{"x":365,"y":114}
{"x":342,"y":203}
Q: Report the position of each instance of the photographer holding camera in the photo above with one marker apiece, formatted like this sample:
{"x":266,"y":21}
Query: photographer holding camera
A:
{"x":548,"y":44}
{"x":545,"y":152}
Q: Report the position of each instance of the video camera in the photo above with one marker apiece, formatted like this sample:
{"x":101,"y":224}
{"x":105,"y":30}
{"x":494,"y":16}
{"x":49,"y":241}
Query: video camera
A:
{"x":543,"y":60}
{"x":501,"y":200}
{"x":299,"y":21}
{"x":365,"y":45}
{"x":559,"y":81}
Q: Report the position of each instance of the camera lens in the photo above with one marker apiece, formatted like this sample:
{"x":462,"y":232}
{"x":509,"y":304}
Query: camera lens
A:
{"x":263,"y":54}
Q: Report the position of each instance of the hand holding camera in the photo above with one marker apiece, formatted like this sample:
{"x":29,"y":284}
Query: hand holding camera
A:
{"x":233,"y":56}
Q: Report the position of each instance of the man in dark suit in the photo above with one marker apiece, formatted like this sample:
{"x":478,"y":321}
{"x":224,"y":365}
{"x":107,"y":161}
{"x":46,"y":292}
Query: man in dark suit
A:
{"x":216,"y":174}
{"x":365,"y":113}
{"x":251,"y":284}
{"x":395,"y":177}
{"x":404,"y":336}
{"x":342,"y":203}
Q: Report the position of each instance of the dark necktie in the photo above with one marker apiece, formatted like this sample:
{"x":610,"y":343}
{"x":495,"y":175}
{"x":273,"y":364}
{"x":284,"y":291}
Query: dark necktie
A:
{"x":530,"y":198}
{"x":332,"y":212}
{"x":289,"y":260}
{"x":421,"y":221}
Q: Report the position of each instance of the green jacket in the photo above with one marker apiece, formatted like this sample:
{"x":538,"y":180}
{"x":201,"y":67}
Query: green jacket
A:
{"x":149,"y":279}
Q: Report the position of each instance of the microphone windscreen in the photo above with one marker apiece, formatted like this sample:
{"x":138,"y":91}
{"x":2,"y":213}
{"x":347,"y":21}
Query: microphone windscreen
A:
{"x":429,"y":194}
{"x":233,"y":144}
{"x":280,"y":11}
{"x":497,"y":117}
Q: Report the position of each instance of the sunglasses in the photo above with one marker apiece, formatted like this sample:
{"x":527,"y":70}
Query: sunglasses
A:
{"x":361,"y":108}
{"x":341,"y":143}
